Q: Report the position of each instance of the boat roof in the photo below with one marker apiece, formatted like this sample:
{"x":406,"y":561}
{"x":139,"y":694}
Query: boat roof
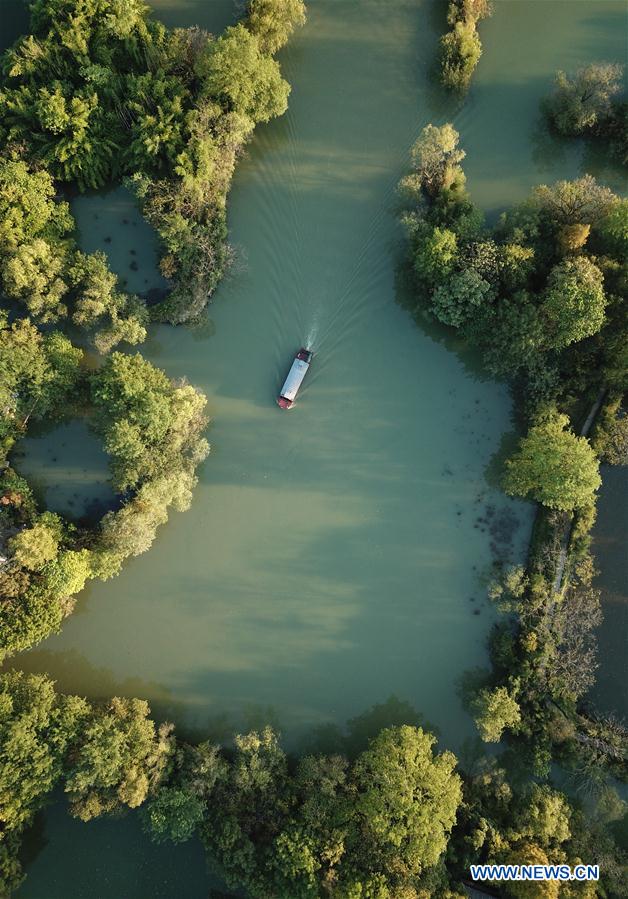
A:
{"x":294,"y":379}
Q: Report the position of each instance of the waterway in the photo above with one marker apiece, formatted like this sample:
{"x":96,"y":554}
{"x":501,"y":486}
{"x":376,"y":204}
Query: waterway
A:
{"x":333,"y":555}
{"x":610,"y":693}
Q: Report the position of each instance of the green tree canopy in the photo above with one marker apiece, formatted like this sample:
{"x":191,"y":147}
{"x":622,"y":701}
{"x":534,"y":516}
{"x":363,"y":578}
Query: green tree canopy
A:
{"x":178,"y":807}
{"x":150,"y":427}
{"x":554,"y":467}
{"x":247,"y":809}
{"x":581,"y":101}
{"x":121,"y":758}
{"x":574,"y":301}
{"x":435,"y":256}
{"x":582,"y":201}
{"x":456,"y":300}
{"x":37,"y":728}
{"x":28,"y":208}
{"x":495,"y":711}
{"x":273,"y":21}
{"x":33,"y":546}
{"x":436,"y":160}
{"x":461,"y":50}
{"x":38,"y":373}
{"x":612,"y":230}
{"x":406,"y":803}
{"x":242,"y":78}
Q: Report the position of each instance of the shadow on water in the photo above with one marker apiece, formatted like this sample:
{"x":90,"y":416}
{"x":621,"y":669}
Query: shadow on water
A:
{"x":358,"y":731}
{"x":68,"y":470}
{"x":406,"y":298}
{"x":108,"y":858}
{"x":59,"y":850}
{"x":610,"y":693}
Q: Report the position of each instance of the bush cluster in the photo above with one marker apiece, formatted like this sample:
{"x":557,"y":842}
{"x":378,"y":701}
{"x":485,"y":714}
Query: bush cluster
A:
{"x":461,"y":47}
{"x":542,"y":296}
{"x":395,"y":819}
{"x":99,"y":92}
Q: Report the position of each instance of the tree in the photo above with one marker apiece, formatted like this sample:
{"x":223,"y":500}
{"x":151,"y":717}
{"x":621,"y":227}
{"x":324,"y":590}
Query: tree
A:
{"x":405,"y":805}
{"x":34,"y":274}
{"x":38,"y":373}
{"x":178,"y":805}
{"x":574,"y":301}
{"x":309,"y":852}
{"x":273,"y":21}
{"x":457,"y":299}
{"x":495,"y":711}
{"x":582,"y":201}
{"x":461,"y":50}
{"x":612,"y":230}
{"x":99,"y":304}
{"x":435,"y":159}
{"x":248,"y":810}
{"x":554,"y":467}
{"x":28,"y":208}
{"x":435,"y":255}
{"x":511,"y":335}
{"x":515,"y":265}
{"x":131,"y":530}
{"x":36,"y":545}
{"x":582,"y":101}
{"x":68,"y":572}
{"x":121,"y":758}
{"x":530,"y":854}
{"x":173,"y":814}
{"x":150,"y":427}
{"x":611,"y":433}
{"x":242,"y":78}
{"x":571,"y":660}
{"x":37,"y":729}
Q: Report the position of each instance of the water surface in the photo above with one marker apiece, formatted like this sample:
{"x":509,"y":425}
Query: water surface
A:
{"x":609,"y":548}
{"x":68,"y":469}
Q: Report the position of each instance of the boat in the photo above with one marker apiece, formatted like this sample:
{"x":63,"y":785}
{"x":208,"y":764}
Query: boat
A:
{"x":298,"y":370}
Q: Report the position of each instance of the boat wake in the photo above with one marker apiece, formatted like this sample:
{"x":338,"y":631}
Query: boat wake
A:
{"x":312,"y":334}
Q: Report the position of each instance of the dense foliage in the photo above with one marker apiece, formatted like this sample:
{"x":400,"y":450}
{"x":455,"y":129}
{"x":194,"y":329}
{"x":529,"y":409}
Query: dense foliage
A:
{"x":554,"y":467}
{"x":460,"y":46}
{"x":395,"y":820}
{"x":589,"y":104}
{"x":151,"y":429}
{"x":543,"y":297}
{"x":106,"y":756}
{"x":42,"y":267}
{"x":98,"y":92}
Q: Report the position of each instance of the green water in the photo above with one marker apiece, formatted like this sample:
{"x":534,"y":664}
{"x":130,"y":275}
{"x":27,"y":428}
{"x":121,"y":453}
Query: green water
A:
{"x":609,"y":546}
{"x":67,"y":468}
{"x":333,"y":555}
{"x":109,"y":222}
